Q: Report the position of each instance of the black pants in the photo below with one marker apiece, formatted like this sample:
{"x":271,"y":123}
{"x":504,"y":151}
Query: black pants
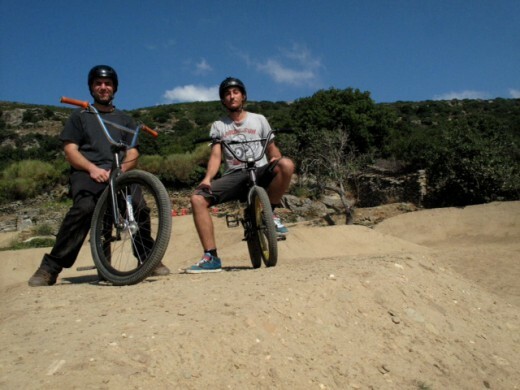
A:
{"x":74,"y":229}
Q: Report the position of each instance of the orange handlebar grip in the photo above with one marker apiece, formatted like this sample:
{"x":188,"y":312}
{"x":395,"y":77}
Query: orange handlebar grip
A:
{"x":150,"y":131}
{"x":74,"y":102}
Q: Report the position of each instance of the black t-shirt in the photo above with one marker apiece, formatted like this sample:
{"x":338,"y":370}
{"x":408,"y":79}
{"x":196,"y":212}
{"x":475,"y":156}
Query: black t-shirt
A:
{"x":84,"y":130}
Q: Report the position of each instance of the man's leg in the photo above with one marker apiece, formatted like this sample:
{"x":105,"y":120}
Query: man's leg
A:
{"x":69,"y":240}
{"x":228,"y":187}
{"x":279,"y":185}
{"x":203,"y":221}
{"x":276,"y":178}
{"x":73,"y":230}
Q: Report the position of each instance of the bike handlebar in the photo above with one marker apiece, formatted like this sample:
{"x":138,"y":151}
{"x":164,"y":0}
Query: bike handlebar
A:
{"x":227,"y":144}
{"x":74,"y":102}
{"x":86,"y":105}
{"x":150,"y":131}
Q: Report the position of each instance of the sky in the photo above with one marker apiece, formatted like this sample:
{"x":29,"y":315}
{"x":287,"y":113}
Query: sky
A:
{"x":174,"y":51}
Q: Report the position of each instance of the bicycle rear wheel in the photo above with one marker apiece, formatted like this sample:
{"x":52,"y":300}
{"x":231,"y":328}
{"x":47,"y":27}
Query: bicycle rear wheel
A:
{"x":262,"y":241}
{"x":128,"y":254}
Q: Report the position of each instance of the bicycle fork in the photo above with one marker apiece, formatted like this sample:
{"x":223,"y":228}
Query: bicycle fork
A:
{"x":120,"y":222}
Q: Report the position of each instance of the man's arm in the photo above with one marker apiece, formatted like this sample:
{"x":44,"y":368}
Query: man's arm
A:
{"x":130,"y":161}
{"x":78,"y":161}
{"x":215,"y":159}
{"x":273,"y":153}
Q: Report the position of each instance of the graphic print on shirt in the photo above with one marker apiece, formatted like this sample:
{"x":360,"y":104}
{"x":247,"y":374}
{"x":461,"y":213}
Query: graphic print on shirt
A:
{"x":244,"y":151}
{"x":254,"y":127}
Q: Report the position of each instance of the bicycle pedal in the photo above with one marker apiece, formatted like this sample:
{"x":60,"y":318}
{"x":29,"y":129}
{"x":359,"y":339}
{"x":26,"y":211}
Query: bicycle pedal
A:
{"x":232,"y":220}
{"x":86,"y":268}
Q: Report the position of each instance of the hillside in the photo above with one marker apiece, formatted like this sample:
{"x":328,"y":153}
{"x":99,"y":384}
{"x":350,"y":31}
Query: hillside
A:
{"x":425,"y":300}
{"x":466,"y":150}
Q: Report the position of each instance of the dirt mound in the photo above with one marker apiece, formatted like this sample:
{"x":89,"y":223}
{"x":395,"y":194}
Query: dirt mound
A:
{"x":401,"y":306}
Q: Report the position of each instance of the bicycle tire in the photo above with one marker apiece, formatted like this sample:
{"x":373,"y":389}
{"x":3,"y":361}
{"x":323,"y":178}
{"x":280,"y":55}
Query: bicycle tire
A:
{"x":262,"y":241}
{"x":127,"y":256}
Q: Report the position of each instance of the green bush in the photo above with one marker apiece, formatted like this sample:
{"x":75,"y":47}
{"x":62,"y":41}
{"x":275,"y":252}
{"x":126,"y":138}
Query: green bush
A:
{"x":152,"y":164}
{"x":464,"y":164}
{"x":181,"y":169}
{"x":26,"y":179}
{"x":43,"y":229}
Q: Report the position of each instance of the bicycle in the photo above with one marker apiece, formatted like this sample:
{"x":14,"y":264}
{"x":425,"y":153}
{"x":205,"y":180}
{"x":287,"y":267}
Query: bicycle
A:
{"x":257,"y":218}
{"x":131,"y":223}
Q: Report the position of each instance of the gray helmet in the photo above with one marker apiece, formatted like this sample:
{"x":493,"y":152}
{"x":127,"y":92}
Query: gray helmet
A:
{"x":231,"y":82}
{"x":103,"y":71}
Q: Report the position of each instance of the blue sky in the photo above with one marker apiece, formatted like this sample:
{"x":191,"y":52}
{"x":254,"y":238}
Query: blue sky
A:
{"x":179,"y":51}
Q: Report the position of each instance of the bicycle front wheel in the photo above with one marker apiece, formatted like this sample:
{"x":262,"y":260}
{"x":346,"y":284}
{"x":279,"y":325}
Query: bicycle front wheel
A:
{"x":262,"y":241}
{"x":127,"y":251}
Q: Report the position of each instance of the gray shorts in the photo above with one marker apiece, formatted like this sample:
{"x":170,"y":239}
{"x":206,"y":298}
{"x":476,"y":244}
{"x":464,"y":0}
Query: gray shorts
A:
{"x":233,"y":186}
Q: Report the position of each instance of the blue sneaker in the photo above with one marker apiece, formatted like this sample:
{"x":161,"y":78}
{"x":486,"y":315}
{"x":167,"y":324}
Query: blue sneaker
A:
{"x":280,"y":228}
{"x":208,"y":263}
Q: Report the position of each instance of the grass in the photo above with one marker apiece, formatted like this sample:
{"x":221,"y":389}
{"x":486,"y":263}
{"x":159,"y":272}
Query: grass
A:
{"x":38,"y":242}
{"x":41,"y":236}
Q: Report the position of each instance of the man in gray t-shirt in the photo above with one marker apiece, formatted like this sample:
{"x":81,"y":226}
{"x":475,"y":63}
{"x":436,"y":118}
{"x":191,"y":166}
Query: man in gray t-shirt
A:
{"x":254,"y":126}
{"x":274,"y":171}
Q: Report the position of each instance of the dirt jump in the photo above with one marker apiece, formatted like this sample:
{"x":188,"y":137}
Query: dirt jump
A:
{"x":425,"y":300}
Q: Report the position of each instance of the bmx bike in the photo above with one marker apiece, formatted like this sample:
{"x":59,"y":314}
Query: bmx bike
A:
{"x":257,"y":216}
{"x":131,"y":224}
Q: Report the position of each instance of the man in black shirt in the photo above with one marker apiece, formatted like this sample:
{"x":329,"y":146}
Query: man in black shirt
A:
{"x":88,"y":152}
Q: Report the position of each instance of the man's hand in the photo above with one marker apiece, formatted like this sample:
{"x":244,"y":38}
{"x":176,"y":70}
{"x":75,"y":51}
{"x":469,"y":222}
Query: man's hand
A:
{"x":99,"y":175}
{"x":204,"y":187}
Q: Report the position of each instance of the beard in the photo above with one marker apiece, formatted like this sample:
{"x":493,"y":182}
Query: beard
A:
{"x":235,"y":109}
{"x":103,"y":100}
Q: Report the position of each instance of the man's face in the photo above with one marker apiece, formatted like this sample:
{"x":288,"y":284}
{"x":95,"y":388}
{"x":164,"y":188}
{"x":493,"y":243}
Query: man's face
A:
{"x":233,"y":98}
{"x":102,"y":90}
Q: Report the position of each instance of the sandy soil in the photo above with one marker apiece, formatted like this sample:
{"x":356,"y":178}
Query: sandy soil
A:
{"x":425,"y":300}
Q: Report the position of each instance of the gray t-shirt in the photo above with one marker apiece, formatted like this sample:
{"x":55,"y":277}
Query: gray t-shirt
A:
{"x":254,"y":126}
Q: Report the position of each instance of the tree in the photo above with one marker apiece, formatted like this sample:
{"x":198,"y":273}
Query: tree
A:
{"x":348,"y":110}
{"x":330,"y":170}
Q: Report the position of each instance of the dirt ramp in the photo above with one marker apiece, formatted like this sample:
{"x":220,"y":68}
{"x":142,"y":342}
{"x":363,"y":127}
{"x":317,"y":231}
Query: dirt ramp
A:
{"x":480,"y":224}
{"x":481,"y":243}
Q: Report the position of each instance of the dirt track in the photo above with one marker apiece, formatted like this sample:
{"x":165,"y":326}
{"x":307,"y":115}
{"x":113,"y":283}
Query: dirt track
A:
{"x":428,"y":299}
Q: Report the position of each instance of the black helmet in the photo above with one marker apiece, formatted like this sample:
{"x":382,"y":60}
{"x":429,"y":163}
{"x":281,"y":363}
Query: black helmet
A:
{"x":103,"y":71}
{"x":231,"y":82}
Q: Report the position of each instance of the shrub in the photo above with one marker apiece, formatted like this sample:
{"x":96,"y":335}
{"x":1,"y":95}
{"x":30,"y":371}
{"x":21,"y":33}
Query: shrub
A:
{"x":180,"y":169}
{"x":465,"y":164}
{"x":152,"y":164}
{"x":26,"y":179}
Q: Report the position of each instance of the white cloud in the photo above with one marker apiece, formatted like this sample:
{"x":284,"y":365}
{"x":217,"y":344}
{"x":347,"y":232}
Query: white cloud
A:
{"x":294,"y":66}
{"x":515,"y":93}
{"x":462,"y":95}
{"x":286,"y":75}
{"x":303,"y":56}
{"x":203,"y":67}
{"x":191,"y":93}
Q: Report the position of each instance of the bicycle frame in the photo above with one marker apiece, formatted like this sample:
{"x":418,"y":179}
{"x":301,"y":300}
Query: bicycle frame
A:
{"x":257,"y":221}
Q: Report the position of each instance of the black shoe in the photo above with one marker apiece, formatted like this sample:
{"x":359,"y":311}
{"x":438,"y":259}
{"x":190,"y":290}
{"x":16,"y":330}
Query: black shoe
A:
{"x":42,"y":278}
{"x":161,"y":270}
